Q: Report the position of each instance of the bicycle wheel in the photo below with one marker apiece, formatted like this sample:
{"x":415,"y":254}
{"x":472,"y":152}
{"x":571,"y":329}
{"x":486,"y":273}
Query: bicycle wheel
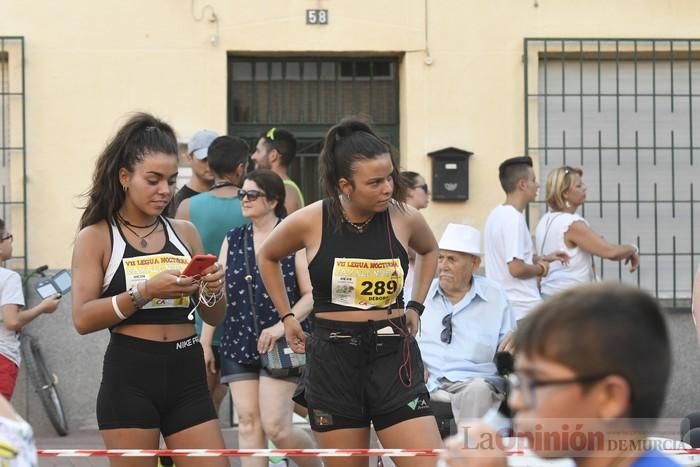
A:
{"x":44,"y":384}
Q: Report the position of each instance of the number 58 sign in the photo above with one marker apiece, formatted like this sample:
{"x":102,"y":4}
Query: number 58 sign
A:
{"x":316,"y":16}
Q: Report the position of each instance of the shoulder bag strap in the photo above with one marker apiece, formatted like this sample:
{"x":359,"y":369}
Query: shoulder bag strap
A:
{"x":249,"y":282}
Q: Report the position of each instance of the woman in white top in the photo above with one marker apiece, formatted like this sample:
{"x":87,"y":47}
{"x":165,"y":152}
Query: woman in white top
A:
{"x":563,"y":229}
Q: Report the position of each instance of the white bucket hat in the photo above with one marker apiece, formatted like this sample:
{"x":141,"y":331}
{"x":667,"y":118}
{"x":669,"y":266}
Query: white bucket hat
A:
{"x":461,"y":238}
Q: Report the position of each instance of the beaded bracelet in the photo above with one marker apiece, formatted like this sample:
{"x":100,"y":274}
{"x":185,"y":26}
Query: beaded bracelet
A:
{"x":137,"y":299}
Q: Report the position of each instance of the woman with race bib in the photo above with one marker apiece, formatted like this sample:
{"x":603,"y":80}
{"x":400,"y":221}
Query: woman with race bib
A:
{"x":126,"y":278}
{"x":362,"y":362}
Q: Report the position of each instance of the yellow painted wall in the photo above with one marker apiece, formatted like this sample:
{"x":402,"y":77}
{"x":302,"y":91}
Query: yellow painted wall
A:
{"x":89,"y":63}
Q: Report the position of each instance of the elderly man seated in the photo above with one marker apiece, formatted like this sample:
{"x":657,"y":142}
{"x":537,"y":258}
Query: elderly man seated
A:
{"x":467,"y":319}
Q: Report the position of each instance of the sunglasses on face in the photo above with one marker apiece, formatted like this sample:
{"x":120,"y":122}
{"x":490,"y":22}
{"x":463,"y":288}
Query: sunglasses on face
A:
{"x":251,"y":194}
{"x":422,"y":187}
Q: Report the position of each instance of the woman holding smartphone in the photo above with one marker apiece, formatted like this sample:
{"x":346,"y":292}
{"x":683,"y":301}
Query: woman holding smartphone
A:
{"x":126,"y":278}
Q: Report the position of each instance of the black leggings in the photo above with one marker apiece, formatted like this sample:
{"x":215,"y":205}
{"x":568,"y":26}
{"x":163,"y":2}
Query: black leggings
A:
{"x":150,"y":384}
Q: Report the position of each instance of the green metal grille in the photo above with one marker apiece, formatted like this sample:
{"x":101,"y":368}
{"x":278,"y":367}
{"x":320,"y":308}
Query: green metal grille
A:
{"x":307,"y":95}
{"x":13,"y":175}
{"x":625,"y":111}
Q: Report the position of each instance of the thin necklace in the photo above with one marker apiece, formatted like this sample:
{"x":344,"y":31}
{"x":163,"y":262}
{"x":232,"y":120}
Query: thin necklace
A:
{"x":221,"y":185}
{"x":360,"y":227}
{"x":127,"y":223}
{"x":143,"y":242}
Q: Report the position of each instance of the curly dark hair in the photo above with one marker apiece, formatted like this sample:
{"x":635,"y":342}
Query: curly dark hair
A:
{"x":142,"y":134}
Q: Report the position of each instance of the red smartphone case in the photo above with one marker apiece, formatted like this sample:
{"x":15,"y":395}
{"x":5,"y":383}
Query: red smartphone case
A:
{"x":198,"y":264}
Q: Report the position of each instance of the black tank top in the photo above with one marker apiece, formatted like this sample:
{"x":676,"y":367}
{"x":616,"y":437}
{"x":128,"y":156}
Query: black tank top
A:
{"x":365,"y":270}
{"x":138,"y":266}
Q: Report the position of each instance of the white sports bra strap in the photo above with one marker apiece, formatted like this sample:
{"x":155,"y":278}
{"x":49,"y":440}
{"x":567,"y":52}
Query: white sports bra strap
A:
{"x":118,"y":248}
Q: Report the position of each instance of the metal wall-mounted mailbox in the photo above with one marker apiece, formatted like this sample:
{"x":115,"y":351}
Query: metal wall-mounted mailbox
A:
{"x":450,"y":174}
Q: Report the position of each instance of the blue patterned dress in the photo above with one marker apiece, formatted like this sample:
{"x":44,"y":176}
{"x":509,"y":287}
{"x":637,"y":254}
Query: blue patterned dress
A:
{"x":239,"y":342}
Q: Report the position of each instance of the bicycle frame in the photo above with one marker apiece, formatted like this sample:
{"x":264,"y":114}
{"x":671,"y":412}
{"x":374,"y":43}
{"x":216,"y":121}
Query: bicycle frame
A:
{"x":43,"y":380}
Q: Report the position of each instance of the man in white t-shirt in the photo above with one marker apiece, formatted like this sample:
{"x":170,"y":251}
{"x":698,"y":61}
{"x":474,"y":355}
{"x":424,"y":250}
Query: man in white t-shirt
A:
{"x":509,"y":254}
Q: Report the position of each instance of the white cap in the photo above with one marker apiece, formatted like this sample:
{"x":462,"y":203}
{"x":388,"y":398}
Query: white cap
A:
{"x":199,"y":143}
{"x":461,"y":238}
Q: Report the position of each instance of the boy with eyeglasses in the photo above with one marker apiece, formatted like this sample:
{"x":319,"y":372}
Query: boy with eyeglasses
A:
{"x":591,"y":363}
{"x":13,"y":320}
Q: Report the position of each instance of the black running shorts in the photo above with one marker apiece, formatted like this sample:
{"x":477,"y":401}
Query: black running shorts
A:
{"x":150,"y":384}
{"x":356,"y":374}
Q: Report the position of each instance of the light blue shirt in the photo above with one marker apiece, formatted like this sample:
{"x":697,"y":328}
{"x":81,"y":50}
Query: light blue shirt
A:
{"x":480,"y":320}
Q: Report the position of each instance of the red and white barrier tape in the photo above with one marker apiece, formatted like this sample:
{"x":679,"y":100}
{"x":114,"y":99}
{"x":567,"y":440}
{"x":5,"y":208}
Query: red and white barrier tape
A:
{"x":237,"y":452}
{"x":270,"y":452}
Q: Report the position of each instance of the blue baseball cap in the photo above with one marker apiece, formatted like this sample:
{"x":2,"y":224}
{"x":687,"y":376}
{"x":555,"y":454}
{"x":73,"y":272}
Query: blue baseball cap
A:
{"x":199,"y":143}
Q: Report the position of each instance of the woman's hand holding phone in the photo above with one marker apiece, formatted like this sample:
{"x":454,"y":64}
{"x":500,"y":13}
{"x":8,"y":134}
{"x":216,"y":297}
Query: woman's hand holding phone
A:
{"x":213,"y":278}
{"x":168,"y":284}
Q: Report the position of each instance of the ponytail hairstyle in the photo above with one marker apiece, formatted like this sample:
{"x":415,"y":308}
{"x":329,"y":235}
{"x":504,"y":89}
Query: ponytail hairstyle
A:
{"x":347,"y":142}
{"x":141,"y":135}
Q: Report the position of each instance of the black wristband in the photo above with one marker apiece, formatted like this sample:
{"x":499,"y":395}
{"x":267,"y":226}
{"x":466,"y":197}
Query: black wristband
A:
{"x":287,"y":316}
{"x":418,"y":306}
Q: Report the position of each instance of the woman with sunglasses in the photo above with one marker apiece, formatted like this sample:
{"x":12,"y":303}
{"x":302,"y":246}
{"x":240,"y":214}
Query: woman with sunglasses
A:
{"x":363,"y":365}
{"x":564,"y":230}
{"x":417,"y":192}
{"x":126,"y":278}
{"x":252,"y":326}
{"x":417,"y":196}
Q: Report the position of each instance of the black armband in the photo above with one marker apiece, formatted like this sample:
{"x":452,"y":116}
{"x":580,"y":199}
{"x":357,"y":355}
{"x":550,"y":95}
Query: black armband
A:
{"x":418,"y":306}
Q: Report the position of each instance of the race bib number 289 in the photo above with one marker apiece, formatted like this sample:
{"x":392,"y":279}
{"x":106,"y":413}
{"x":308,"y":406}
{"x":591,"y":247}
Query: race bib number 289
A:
{"x":366,"y":283}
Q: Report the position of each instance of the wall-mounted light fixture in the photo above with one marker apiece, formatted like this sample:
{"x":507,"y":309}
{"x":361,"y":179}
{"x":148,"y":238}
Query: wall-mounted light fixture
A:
{"x":207,"y":12}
